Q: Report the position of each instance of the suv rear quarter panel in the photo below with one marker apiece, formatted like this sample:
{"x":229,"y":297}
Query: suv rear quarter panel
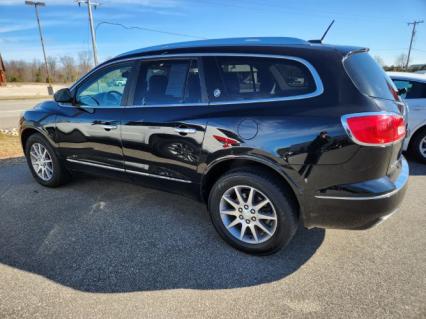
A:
{"x":303,"y":139}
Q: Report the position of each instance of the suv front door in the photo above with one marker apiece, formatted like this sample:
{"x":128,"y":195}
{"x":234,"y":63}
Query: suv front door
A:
{"x":163,"y":129}
{"x":89,"y":130}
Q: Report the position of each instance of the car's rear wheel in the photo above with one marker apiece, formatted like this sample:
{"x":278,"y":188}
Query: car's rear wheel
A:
{"x":252,"y":212}
{"x":43,"y":162}
{"x":418,"y":146}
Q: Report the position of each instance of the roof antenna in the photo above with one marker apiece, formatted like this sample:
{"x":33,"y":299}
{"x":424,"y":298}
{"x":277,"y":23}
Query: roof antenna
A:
{"x":323,"y":36}
{"x":326,"y":31}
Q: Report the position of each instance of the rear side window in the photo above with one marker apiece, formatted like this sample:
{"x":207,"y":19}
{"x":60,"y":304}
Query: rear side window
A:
{"x":415,"y":90}
{"x":369,"y":77}
{"x":247,"y":78}
{"x":168,"y":82}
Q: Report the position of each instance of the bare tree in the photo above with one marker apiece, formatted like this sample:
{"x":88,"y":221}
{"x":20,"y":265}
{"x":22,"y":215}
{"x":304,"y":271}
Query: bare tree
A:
{"x":379,"y":60}
{"x":69,"y":73}
{"x":36,"y":73}
{"x":63,"y":69}
{"x":15,"y":70}
{"x":400,"y":61}
{"x":53,"y":68}
{"x":84,"y":62}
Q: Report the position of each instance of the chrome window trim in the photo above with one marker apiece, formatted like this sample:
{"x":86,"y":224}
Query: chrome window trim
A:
{"x":319,"y":87}
{"x":344,"y":121}
{"x":164,"y":105}
{"x":127,"y":171}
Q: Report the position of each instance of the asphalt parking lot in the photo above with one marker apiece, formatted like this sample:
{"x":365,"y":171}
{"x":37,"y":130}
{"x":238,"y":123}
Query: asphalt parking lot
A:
{"x":103,"y":248}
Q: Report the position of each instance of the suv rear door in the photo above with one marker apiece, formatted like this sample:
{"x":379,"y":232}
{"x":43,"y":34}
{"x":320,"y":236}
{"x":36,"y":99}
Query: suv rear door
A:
{"x":162,"y":131}
{"x":372,"y":81}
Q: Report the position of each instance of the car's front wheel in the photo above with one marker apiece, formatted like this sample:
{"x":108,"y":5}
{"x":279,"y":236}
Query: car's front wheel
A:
{"x":43,"y":162}
{"x":253,"y":212}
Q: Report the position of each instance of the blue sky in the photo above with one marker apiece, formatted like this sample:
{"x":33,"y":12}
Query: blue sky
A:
{"x":380,"y":25}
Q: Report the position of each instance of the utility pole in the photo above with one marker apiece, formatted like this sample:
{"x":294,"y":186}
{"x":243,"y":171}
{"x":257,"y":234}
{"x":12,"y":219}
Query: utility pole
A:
{"x":413,"y":33}
{"x":37,"y":4}
{"x":92,"y":30}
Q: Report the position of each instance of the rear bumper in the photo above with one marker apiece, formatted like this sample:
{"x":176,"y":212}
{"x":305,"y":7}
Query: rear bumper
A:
{"x":360,"y":205}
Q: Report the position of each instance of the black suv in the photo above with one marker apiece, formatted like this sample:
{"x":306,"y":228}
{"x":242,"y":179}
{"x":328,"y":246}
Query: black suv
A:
{"x":269,"y":132}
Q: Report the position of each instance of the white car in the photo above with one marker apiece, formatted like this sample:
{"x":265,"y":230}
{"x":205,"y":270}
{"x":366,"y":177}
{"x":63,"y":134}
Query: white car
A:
{"x":415,"y":97}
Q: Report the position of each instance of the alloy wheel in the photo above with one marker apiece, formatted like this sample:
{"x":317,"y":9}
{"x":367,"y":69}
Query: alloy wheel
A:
{"x":248,"y":214}
{"x":41,"y":161}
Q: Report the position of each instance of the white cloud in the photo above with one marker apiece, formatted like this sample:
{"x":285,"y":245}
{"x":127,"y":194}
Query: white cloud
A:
{"x":11,"y":26}
{"x":17,"y":27}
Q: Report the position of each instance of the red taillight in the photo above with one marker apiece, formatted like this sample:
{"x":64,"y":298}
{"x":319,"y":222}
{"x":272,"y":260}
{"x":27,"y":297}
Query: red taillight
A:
{"x":375,"y":129}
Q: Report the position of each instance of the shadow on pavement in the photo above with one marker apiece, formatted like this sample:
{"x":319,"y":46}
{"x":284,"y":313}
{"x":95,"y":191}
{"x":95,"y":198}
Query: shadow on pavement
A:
{"x":100,"y":235}
{"x":416,"y":168}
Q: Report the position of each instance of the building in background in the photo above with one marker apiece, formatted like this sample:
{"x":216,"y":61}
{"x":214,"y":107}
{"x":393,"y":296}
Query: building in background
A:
{"x":2,"y":72}
{"x":417,"y":67}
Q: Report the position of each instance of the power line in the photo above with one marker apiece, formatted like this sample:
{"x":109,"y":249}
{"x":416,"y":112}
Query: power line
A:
{"x":89,"y":4}
{"x":147,"y":29}
{"x":413,"y":33}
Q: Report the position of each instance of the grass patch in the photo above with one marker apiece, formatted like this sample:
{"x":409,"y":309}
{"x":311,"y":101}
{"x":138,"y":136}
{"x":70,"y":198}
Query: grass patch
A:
{"x":10,"y":146}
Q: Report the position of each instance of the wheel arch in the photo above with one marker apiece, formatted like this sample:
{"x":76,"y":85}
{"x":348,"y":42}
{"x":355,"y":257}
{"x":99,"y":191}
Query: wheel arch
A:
{"x":417,"y":131}
{"x":220,"y":167}
{"x":27,"y":132}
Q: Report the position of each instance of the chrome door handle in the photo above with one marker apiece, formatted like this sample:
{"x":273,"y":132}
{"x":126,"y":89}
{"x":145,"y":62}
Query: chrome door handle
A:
{"x":185,"y":130}
{"x":109,"y":127}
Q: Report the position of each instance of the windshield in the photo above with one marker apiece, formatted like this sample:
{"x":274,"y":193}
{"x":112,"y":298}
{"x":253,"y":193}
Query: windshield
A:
{"x":369,"y":77}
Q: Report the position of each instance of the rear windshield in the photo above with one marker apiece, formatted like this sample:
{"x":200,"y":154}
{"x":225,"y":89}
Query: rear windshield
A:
{"x":369,"y":77}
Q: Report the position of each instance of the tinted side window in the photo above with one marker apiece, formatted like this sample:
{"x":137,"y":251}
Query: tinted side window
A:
{"x":415,"y":90}
{"x":246,"y":78}
{"x":168,"y":82}
{"x":369,"y":77}
{"x":402,"y":84}
{"x":105,"y":88}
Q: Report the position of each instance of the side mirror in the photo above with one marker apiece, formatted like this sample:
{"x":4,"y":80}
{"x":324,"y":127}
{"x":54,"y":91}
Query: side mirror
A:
{"x":63,"y":96}
{"x":402,"y":91}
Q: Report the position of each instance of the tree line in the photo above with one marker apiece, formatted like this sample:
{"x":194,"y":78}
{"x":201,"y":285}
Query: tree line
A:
{"x":399,"y":64}
{"x":64,"y":69}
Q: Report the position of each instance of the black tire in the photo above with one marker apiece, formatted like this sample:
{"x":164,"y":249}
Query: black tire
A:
{"x":415,"y":146}
{"x":285,"y":208}
{"x":60,"y":175}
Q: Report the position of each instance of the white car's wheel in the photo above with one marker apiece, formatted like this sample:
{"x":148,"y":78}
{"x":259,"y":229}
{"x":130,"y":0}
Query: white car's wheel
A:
{"x":418,"y":146}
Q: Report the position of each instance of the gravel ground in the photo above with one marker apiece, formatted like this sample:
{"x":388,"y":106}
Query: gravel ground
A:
{"x":106,"y":249}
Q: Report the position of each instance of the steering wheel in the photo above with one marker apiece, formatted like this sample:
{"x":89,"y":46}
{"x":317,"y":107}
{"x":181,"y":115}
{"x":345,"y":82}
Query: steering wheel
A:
{"x":87,"y":98}
{"x":114,"y":97}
